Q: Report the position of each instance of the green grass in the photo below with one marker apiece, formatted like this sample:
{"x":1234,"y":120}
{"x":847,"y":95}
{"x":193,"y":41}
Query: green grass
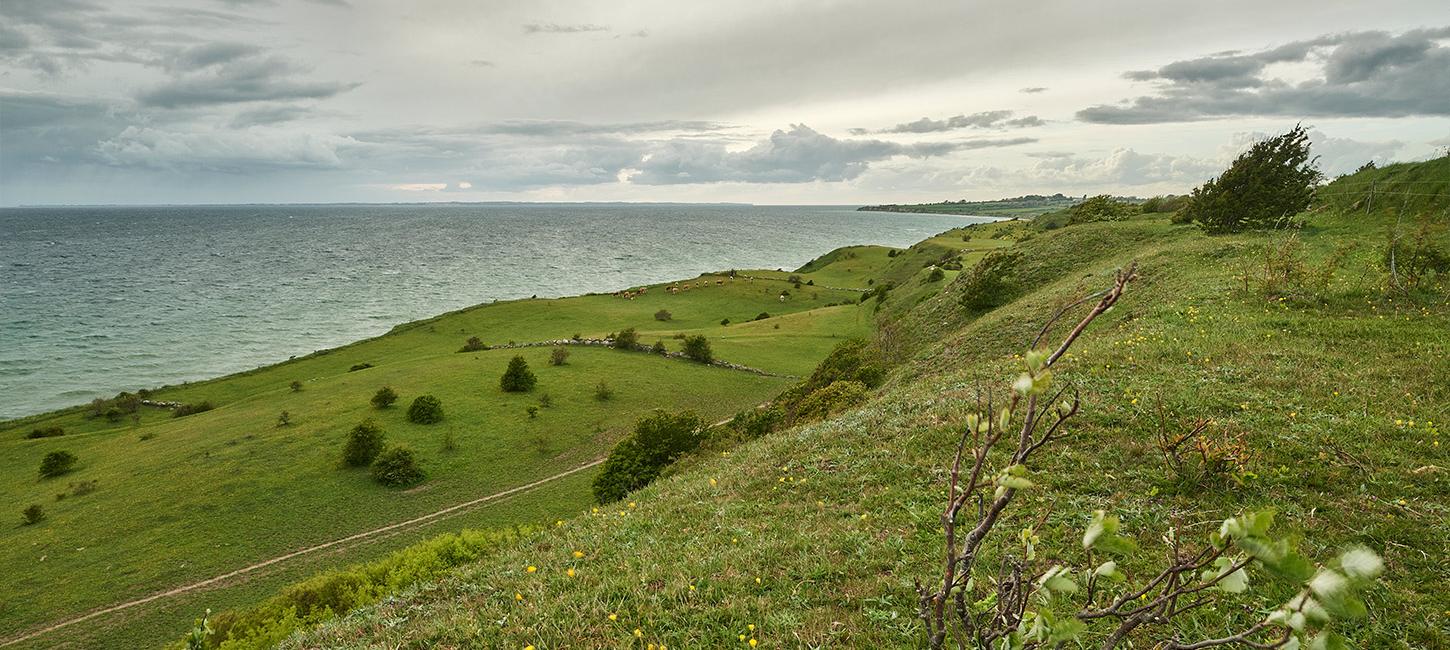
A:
{"x":815,"y":535}
{"x":183,"y":499}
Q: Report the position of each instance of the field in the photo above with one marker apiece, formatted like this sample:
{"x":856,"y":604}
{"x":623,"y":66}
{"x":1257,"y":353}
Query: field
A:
{"x":1327,"y":392}
{"x":157,"y":501}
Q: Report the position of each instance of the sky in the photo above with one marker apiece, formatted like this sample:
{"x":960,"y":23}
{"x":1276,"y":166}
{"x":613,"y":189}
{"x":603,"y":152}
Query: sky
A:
{"x":770,"y":102}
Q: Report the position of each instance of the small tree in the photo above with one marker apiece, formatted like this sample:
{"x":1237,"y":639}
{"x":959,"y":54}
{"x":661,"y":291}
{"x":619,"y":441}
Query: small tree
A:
{"x":32,"y":514}
{"x":56,"y":463}
{"x":558,"y":356}
{"x":518,"y":378}
{"x":473,"y":344}
{"x":384,"y":397}
{"x":296,"y":386}
{"x":658,"y":347}
{"x":397,"y":467}
{"x":1265,"y":186}
{"x":363,"y":443}
{"x":697,"y":347}
{"x":656,"y":442}
{"x":626,"y":339}
{"x":724,"y":322}
{"x":663,"y":315}
{"x":426,"y":409}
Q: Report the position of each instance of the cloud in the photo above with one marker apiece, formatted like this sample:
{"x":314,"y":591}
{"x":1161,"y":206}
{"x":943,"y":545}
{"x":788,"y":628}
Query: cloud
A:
{"x":1032,"y":90}
{"x":269,"y":115}
{"x":482,"y":63}
{"x":983,"y":120}
{"x":222,"y":151}
{"x":555,"y":28}
{"x":210,"y":54}
{"x":230,"y":77}
{"x":798,"y":155}
{"x":1357,"y":74}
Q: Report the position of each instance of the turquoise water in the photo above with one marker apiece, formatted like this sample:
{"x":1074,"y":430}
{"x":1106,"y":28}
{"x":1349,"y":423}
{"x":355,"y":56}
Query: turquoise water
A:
{"x":98,"y":300}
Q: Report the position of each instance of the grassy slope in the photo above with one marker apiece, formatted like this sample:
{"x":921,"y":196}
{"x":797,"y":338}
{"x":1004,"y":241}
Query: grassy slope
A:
{"x":182,"y":499}
{"x":815,"y":535}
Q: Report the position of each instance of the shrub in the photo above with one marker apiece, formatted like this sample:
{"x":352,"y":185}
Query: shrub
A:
{"x":762,"y":315}
{"x":546,"y":401}
{"x":284,"y":419}
{"x":756,"y":422}
{"x":114,"y":414}
{"x":56,"y":463}
{"x":397,"y":467}
{"x":627,"y":339}
{"x":1263,"y":188}
{"x":697,"y":348}
{"x":517,"y":378}
{"x":327,"y":595}
{"x":364,"y":443}
{"x":47,"y":432}
{"x":837,"y":397}
{"x":359,"y":366}
{"x":532,"y":410}
{"x":192,"y":409}
{"x":558,"y":356}
{"x":1411,"y":261}
{"x":473,"y":344}
{"x":1098,"y":208}
{"x":1164,"y":203}
{"x":663,"y":315}
{"x":991,"y":282}
{"x":603,"y":392}
{"x":657,"y":441}
{"x":936,"y":275}
{"x":384,"y":397}
{"x":32,"y":514}
{"x":426,"y":409}
{"x":296,"y":386}
{"x":724,"y":322}
{"x":658,"y":348}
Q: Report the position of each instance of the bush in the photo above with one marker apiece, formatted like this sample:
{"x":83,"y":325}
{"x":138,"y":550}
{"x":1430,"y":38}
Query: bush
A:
{"x":364,"y":443}
{"x":558,"y":356}
{"x":1098,"y":208}
{"x":658,"y":348}
{"x":473,"y":344}
{"x":532,"y":410}
{"x":1164,"y":203}
{"x":397,"y":467}
{"x":1413,"y":260}
{"x":724,"y":322}
{"x":697,"y":348}
{"x":359,"y":366}
{"x":546,"y":401}
{"x":328,"y":595}
{"x":657,"y":441}
{"x":837,"y":397}
{"x":1263,"y":188}
{"x":47,"y":432}
{"x":56,"y":463}
{"x":603,"y":392}
{"x":296,"y":386}
{"x":517,"y":378}
{"x":627,"y":339}
{"x":936,"y":275}
{"x":32,"y":514}
{"x":284,"y":419}
{"x":762,"y":315}
{"x":991,"y":282}
{"x":192,"y":409}
{"x":756,"y":422}
{"x":426,"y":409}
{"x":663,"y":315}
{"x":384,"y":397}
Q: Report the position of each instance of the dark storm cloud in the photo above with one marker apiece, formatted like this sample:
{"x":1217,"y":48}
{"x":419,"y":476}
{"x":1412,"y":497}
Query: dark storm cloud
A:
{"x":555,"y":28}
{"x":251,"y":78}
{"x":48,"y":131}
{"x":1360,"y":74}
{"x":798,"y":155}
{"x":982,"y":120}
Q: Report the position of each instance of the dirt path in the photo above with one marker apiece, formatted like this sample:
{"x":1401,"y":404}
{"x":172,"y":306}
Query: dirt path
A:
{"x":281,"y":558}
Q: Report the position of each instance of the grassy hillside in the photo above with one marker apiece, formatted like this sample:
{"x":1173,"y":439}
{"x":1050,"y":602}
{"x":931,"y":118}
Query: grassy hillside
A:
{"x":157,"y":501}
{"x":1022,"y":206}
{"x":1325,"y":397}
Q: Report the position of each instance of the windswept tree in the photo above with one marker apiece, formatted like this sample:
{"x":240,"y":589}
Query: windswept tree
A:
{"x":1263,"y":188}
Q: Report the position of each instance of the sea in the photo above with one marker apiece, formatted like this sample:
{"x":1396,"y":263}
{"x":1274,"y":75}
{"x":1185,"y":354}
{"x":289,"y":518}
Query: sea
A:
{"x":95,"y":300}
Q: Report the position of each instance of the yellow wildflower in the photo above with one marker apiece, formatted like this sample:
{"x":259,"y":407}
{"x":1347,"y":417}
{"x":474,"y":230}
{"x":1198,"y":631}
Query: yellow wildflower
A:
{"x":532,"y":568}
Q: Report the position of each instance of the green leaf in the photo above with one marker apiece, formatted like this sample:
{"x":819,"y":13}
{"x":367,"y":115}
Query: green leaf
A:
{"x":1023,"y":385}
{"x":1361,"y":563}
{"x":1234,"y":583}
